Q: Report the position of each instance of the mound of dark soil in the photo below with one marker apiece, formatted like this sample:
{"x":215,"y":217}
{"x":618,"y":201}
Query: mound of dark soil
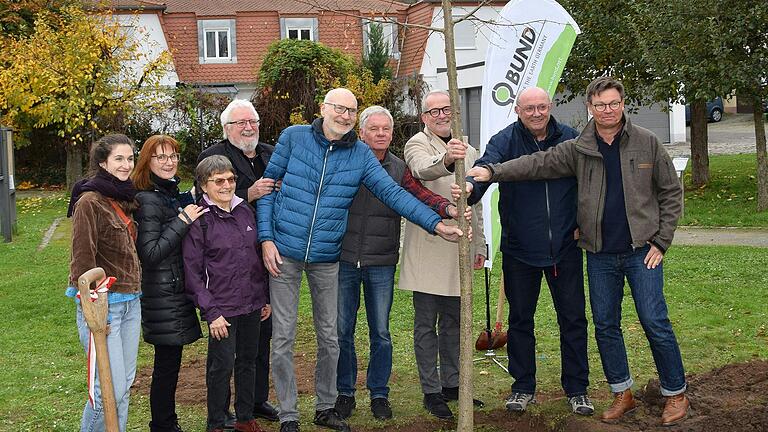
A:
{"x":731,"y":398}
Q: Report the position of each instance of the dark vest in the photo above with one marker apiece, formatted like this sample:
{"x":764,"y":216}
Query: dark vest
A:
{"x":373,"y":229}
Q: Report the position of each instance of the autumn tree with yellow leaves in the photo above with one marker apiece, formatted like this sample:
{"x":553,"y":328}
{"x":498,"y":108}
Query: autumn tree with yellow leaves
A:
{"x":76,"y":70}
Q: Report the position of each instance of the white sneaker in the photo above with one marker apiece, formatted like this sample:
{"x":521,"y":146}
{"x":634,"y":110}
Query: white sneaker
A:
{"x":518,"y":402}
{"x":581,"y":405}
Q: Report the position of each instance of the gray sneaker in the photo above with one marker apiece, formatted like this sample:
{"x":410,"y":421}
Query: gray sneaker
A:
{"x":581,"y":405}
{"x":518,"y":402}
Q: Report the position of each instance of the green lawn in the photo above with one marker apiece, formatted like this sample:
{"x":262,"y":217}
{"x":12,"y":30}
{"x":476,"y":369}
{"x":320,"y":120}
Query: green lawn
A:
{"x":716,"y":298}
{"x":729,"y":199}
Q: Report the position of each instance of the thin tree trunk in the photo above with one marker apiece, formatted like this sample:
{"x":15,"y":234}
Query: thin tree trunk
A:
{"x":466,"y":387}
{"x":762,"y":157}
{"x":699,"y":144}
{"x":74,"y":163}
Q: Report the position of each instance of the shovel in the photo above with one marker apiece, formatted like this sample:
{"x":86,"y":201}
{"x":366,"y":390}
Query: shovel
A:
{"x":95,"y":314}
{"x":496,"y":338}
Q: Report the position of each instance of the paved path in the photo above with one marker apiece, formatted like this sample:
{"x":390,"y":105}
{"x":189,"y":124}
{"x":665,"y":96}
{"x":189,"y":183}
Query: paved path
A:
{"x":695,"y":236}
{"x":735,"y":134}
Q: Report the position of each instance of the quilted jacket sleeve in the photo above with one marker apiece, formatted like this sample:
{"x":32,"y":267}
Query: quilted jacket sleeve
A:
{"x":390,"y":193}
{"x":276,"y":168}
{"x":155,"y":241}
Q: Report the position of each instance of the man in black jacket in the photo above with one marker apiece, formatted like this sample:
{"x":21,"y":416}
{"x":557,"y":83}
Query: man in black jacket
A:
{"x":538,"y":223}
{"x":249,"y":157}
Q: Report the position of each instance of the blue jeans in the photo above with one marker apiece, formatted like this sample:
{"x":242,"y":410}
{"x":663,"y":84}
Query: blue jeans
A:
{"x":606,"y":274}
{"x":378,"y":287}
{"x":123,"y":346}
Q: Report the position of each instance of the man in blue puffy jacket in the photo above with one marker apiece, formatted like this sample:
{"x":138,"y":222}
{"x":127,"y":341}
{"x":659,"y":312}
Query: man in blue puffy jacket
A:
{"x":301,"y":226}
{"x":538,"y":220}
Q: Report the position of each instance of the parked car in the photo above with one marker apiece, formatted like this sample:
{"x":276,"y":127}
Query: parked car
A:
{"x":714,"y":110}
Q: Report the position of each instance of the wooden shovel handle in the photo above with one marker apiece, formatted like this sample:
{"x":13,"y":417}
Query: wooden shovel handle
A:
{"x":500,"y":302}
{"x":95,"y":314}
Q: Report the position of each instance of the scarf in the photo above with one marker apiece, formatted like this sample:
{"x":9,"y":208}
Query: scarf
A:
{"x":105,"y":184}
{"x":169,"y":187}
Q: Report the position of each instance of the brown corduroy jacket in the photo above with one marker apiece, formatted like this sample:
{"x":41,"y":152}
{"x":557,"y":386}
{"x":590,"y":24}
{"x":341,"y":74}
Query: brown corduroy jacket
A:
{"x":101,"y":239}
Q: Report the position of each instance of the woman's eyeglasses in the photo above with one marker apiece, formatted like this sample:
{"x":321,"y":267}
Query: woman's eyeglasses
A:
{"x":220,"y":181}
{"x":163,"y":158}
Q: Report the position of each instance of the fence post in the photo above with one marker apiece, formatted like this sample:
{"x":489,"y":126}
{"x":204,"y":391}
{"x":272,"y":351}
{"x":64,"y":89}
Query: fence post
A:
{"x":7,"y":188}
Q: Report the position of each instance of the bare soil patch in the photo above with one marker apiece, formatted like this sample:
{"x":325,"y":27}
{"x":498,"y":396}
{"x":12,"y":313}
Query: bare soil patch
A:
{"x":731,"y":398}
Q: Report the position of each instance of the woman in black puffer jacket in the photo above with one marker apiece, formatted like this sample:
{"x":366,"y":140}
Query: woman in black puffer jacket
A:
{"x":169,"y":319}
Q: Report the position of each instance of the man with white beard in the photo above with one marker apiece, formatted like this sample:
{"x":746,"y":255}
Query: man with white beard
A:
{"x":249,"y":157}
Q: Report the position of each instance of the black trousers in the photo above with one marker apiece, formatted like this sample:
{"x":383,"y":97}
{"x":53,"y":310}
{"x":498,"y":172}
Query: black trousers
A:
{"x":162,"y":393}
{"x":262,"y":362}
{"x":236,"y":353}
{"x":522,"y":284}
{"x":261,"y":393}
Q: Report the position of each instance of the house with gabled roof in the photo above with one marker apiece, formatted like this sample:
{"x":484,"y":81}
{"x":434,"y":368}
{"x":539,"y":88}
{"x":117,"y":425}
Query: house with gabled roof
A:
{"x":218,"y":46}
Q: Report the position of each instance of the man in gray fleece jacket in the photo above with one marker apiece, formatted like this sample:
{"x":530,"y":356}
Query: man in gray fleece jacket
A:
{"x":629,"y":201}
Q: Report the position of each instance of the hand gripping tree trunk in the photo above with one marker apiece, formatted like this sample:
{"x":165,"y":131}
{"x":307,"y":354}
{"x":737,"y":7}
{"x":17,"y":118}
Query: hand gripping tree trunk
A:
{"x":465,"y":265}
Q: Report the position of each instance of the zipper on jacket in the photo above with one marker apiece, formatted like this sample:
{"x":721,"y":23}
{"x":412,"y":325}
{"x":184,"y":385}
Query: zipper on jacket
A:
{"x":549,"y":213}
{"x":317,"y":202}
{"x":362,"y":234}
{"x":632,"y":165}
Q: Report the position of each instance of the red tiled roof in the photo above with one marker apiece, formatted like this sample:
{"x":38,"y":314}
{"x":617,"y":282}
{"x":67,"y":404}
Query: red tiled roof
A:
{"x":138,"y":4}
{"x":287,"y":7}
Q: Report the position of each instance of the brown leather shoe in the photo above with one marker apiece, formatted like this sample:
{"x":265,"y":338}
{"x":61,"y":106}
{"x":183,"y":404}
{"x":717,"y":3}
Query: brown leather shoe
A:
{"x":675,"y":409}
{"x":623,"y":403}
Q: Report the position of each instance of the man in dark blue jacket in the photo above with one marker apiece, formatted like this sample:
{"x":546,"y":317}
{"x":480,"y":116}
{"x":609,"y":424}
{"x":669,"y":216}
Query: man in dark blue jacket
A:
{"x":538,"y":230}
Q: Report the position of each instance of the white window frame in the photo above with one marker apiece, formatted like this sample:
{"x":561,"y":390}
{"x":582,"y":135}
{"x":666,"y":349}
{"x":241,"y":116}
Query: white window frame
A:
{"x":389,"y":25}
{"x":216,"y":31}
{"x":204,"y":28}
{"x":299,"y":24}
{"x":457,"y":28}
{"x":298,"y":31}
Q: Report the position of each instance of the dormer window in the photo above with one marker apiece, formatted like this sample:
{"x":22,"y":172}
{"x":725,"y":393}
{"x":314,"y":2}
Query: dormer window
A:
{"x":217,"y":41}
{"x":298,"y":28}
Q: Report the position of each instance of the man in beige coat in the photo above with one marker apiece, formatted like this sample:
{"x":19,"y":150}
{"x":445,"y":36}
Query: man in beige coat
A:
{"x":430,"y":266}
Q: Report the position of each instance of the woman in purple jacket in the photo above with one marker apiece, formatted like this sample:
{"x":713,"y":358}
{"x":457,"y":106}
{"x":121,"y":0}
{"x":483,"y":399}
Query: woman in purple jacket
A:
{"x":226,"y":279}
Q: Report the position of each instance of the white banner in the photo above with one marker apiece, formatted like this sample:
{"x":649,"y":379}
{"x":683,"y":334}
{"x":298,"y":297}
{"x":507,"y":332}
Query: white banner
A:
{"x":531,"y":43}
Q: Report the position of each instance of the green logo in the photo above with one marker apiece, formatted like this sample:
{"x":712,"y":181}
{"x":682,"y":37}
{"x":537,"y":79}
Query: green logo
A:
{"x":502,"y":94}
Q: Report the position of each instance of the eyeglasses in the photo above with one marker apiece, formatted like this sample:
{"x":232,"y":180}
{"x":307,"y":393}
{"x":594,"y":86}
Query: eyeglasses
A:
{"x":341,"y":109}
{"x":241,"y":123}
{"x":220,"y":181}
{"x":163,"y":158}
{"x":600,"y":107}
{"x":435,"y":112}
{"x":530,"y":109}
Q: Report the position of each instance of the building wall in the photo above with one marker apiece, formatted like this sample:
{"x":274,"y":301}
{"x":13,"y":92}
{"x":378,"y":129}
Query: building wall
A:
{"x":342,"y":32}
{"x":254,"y":32}
{"x":433,"y":65}
{"x":147,"y":29}
{"x":470,"y":65}
{"x":414,"y":40}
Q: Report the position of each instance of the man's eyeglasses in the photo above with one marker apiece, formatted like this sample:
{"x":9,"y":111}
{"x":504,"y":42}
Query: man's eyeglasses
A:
{"x":163,"y":158}
{"x":220,"y":181}
{"x":341,"y":109}
{"x":530,"y":109}
{"x":600,"y":107}
{"x":435,"y":112}
{"x":241,"y":123}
